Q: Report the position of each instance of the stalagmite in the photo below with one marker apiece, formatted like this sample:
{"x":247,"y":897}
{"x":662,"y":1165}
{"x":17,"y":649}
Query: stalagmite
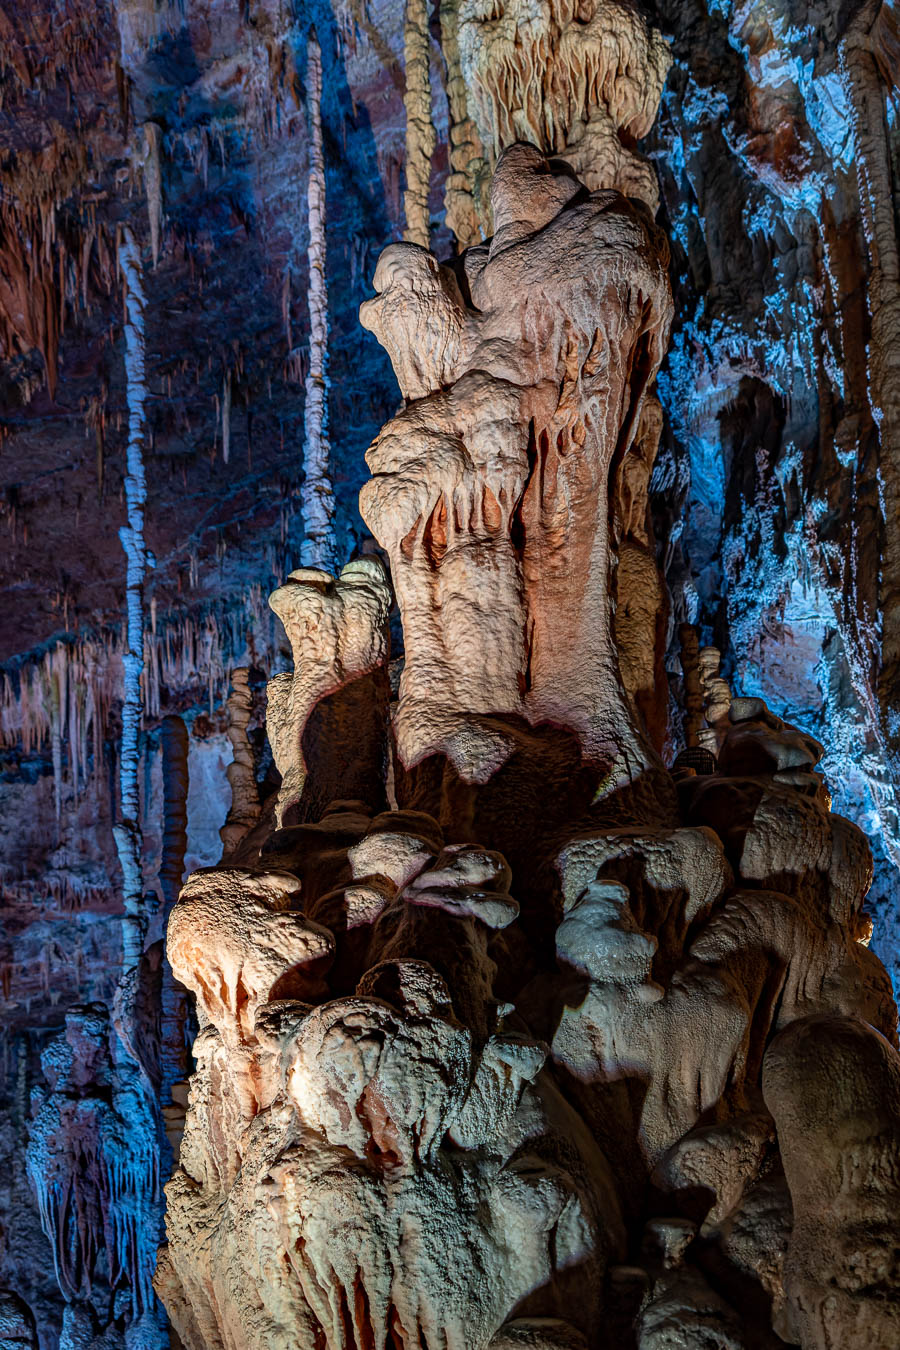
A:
{"x":128,"y":831}
{"x":318,"y":500}
{"x":243,"y":812}
{"x":546,"y":1054}
{"x":866,"y":102}
{"x":490,"y":489}
{"x":338,"y":692}
{"x":420,"y":137}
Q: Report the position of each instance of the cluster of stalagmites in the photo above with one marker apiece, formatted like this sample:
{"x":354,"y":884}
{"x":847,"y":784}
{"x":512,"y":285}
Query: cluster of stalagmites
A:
{"x":508,"y":1037}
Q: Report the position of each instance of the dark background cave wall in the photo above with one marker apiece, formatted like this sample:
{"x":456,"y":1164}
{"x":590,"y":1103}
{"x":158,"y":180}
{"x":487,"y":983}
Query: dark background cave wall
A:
{"x":771,"y":494}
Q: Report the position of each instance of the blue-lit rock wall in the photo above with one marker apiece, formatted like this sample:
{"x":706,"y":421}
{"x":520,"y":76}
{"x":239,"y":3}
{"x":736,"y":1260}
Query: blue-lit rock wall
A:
{"x":768,"y":490}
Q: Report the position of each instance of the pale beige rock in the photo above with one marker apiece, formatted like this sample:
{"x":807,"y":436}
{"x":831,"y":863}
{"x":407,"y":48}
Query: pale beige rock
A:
{"x":679,"y":1045}
{"x":575,"y":81}
{"x":420,"y":134}
{"x":717,"y":697}
{"x":833,"y":1087}
{"x":490,"y":494}
{"x":349,"y":1192}
{"x":375,"y":1156}
{"x":674,"y":877}
{"x":690,"y":1025}
{"x":243,"y":812}
{"x":233,"y":939}
{"x":747,"y":1248}
{"x":706,"y":1171}
{"x":339,"y":688}
{"x":758,"y":742}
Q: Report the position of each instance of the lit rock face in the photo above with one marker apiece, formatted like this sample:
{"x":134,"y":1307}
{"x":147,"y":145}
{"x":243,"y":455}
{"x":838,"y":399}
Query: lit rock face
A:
{"x":389,"y":1165}
{"x":638,"y":1077}
{"x":490,"y":489}
{"x":339,"y":689}
{"x":582,"y":81}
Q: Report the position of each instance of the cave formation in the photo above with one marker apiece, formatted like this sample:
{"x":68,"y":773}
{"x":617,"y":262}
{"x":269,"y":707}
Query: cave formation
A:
{"x":449,"y":845}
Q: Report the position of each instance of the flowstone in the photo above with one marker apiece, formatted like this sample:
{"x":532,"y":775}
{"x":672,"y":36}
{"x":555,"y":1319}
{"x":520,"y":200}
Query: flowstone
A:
{"x":560,"y":1050}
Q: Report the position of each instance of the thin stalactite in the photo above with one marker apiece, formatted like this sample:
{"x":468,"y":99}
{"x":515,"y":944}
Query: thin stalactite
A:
{"x":318,"y":498}
{"x":128,"y":829}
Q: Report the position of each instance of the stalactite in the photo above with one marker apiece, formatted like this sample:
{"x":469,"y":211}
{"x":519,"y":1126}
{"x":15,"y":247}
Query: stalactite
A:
{"x":865,"y":97}
{"x":226,"y":416}
{"x":153,"y":184}
{"x":128,"y":830}
{"x":182,"y":654}
{"x":318,"y":500}
{"x":420,"y":136}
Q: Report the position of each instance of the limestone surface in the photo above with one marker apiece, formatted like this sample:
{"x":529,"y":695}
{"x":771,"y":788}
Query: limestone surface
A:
{"x":559,"y":1050}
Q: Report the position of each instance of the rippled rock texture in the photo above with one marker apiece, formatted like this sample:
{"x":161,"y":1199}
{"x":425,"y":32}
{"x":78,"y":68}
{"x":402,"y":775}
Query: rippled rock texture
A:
{"x":751,"y":503}
{"x":559,"y":1049}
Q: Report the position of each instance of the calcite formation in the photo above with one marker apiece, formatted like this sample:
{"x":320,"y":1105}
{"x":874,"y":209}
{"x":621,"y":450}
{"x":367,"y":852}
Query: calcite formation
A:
{"x":490,"y":488}
{"x":580,"y":80}
{"x":95,"y":1171}
{"x":338,"y":691}
{"x":512,"y":1037}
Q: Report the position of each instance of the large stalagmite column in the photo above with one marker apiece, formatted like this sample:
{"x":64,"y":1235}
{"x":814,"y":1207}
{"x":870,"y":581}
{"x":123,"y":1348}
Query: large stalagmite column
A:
{"x":374,"y":1156}
{"x":490,"y":490}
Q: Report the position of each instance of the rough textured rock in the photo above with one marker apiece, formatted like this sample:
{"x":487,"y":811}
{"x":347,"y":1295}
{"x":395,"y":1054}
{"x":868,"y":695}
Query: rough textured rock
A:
{"x":338,"y":691}
{"x":405,"y":1125}
{"x":17,"y":1329}
{"x":582,"y":82}
{"x":490,"y":488}
{"x":833,"y":1087}
{"x":757,"y":517}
